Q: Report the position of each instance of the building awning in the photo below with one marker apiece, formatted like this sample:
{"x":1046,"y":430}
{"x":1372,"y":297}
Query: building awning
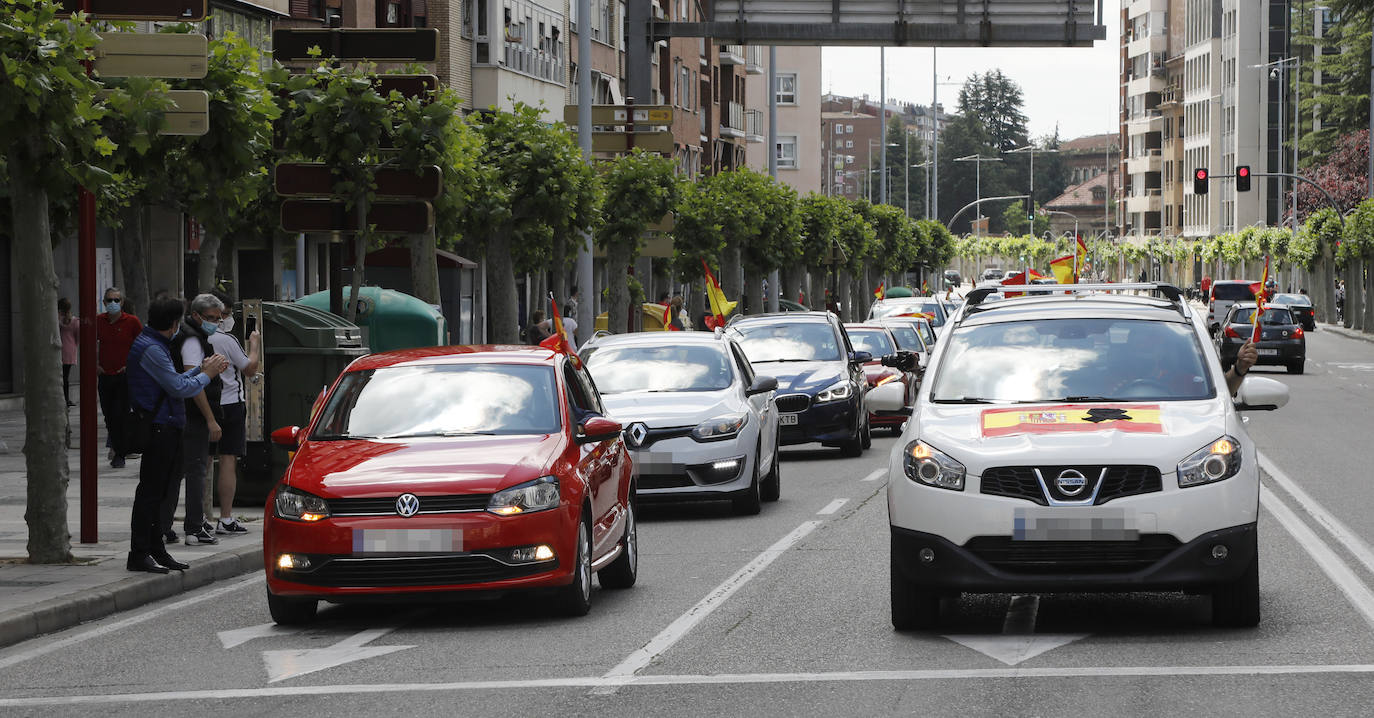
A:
{"x":244,"y":5}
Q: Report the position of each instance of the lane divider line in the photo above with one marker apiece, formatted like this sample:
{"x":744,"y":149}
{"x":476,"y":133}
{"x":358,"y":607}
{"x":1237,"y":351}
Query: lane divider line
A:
{"x":875,"y":475}
{"x":703,"y":608}
{"x":1340,"y":574}
{"x":1349,"y":539}
{"x":832,"y":507}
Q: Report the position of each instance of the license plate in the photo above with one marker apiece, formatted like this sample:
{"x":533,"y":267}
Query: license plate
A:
{"x":1099,"y":525}
{"x":787,"y":419}
{"x":407,"y":540}
{"x":1268,"y":352}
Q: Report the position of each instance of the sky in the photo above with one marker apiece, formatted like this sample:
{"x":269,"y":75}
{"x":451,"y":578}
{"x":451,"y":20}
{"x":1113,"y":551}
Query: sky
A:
{"x":1076,"y":88}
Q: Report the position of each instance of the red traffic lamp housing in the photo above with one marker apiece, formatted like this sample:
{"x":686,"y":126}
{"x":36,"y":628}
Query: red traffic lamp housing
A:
{"x":1243,"y":178}
{"x":1200,"y":180}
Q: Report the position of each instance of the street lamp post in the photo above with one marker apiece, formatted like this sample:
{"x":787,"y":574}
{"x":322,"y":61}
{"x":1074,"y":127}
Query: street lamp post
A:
{"x":1032,"y":149}
{"x":977,"y":175}
{"x":927,"y":165}
{"x":868,"y":178}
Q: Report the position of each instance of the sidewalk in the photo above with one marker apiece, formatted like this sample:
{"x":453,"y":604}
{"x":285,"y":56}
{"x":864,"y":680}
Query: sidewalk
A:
{"x":38,"y":599}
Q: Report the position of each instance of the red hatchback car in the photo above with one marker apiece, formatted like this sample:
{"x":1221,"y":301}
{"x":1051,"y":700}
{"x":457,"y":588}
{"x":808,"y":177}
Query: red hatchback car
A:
{"x":447,"y":471}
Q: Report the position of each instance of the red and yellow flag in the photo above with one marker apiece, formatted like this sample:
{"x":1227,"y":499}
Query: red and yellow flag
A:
{"x":878,"y":293}
{"x":1080,"y":258}
{"x":1073,"y":418}
{"x":720,"y":307}
{"x":1258,"y":290}
{"x":668,"y":319}
{"x":925,"y":287}
{"x":1022,"y":278}
{"x":1063,"y":269}
{"x":558,"y":341}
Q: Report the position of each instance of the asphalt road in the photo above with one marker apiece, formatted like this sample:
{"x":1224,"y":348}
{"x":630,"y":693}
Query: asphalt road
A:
{"x":786,"y":613}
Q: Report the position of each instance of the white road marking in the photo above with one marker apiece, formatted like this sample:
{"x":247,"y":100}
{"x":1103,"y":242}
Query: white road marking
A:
{"x":980,"y":674}
{"x":1019,"y":642}
{"x":1345,"y":579}
{"x":282,"y":665}
{"x":155,"y":612}
{"x":875,"y":475}
{"x":703,"y":608}
{"x":1342,"y":533}
{"x":832,"y":507}
{"x":240,"y":636}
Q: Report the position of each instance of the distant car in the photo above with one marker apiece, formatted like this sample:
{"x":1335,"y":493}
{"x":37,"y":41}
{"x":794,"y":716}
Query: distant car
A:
{"x":920,"y":324}
{"x":440,"y":471}
{"x":1223,"y":294}
{"x":993,"y":274}
{"x":892,"y":382}
{"x":952,"y":278}
{"x":1282,"y":341}
{"x":699,"y":422}
{"x":787,"y":305}
{"x":931,"y":307}
{"x":909,"y":338}
{"x":1301,"y":307}
{"x":821,"y":381}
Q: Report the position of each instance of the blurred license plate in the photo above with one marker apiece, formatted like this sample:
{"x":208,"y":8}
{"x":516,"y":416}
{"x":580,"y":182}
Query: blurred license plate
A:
{"x":1269,"y":352}
{"x":407,"y":540}
{"x":1098,"y":525}
{"x":787,"y":419}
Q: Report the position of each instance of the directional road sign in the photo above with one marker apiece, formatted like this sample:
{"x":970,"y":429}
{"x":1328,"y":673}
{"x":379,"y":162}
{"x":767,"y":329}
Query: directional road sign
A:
{"x":302,"y":179}
{"x":618,"y":114}
{"x":188,"y":115}
{"x":168,"y":10}
{"x":660,"y":141}
{"x":326,"y":215}
{"x":137,"y":54}
{"x":382,"y":45}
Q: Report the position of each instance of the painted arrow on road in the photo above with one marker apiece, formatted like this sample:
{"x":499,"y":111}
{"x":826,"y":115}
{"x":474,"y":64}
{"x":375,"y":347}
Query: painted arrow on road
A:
{"x":1018,"y":641}
{"x":282,"y":665}
{"x":240,"y":636}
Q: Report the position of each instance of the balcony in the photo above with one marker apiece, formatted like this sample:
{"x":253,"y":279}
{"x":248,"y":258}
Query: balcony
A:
{"x":1145,"y":123}
{"x":732,"y":123}
{"x":731,"y":55}
{"x":753,"y":59}
{"x":1153,"y":42}
{"x":1149,"y":82}
{"x":1151,"y":161}
{"x":1147,"y":200}
{"x":755,"y":128}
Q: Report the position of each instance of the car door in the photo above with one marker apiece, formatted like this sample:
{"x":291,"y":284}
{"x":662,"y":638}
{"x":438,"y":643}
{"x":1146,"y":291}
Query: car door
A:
{"x":598,"y":462}
{"x":854,"y":370}
{"x":762,"y":406}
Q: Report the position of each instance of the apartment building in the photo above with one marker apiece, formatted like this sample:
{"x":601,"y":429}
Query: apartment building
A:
{"x":800,"y":164}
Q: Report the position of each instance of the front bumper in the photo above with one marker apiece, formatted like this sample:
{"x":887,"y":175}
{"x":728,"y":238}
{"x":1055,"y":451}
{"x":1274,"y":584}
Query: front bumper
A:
{"x":828,"y":423}
{"x":1285,"y":351}
{"x":684,"y":469}
{"x":1156,"y":562}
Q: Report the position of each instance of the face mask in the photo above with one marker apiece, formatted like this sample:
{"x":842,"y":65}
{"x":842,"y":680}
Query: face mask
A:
{"x":227,"y":324}
{"x":208,"y":327}
{"x":112,"y":307}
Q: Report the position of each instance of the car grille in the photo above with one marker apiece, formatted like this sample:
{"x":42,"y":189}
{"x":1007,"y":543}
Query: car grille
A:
{"x":662,"y":481}
{"x":386,"y":505}
{"x":348,"y":572}
{"x":1019,"y":482}
{"x":793,"y":403}
{"x":1079,"y":557}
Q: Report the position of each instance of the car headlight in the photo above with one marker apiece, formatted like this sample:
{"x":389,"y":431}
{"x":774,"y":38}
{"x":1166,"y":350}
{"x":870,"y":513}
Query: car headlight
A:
{"x":539,"y":495}
{"x":838,"y":391}
{"x":1214,"y":462}
{"x":720,"y":428}
{"x":299,"y":505}
{"x":925,"y":464}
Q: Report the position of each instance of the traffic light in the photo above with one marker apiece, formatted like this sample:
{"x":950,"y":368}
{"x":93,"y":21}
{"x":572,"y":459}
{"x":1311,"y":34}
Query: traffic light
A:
{"x":1200,"y":180}
{"x":1243,"y":178}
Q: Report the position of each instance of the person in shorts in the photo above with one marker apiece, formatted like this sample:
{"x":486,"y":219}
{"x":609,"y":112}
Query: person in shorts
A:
{"x":233,"y":442}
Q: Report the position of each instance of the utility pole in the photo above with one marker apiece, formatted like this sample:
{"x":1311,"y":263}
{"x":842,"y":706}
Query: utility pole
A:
{"x":774,"y":283}
{"x":935,"y":136}
{"x":977,"y":175}
{"x":882,"y":122}
{"x":586,"y":308}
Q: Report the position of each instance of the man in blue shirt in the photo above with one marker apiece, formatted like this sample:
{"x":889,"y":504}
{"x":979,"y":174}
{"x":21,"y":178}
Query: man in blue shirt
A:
{"x":157,"y":388}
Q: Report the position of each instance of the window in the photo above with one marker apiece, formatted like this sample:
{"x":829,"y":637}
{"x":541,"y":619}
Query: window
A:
{"x":839,"y":129}
{"x":849,"y":129}
{"x":787,"y":152}
{"x":849,"y":159}
{"x":787,"y":88}
{"x":849,"y":144}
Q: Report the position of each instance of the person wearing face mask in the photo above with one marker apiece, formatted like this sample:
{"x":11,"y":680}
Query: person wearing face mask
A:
{"x":233,"y":442}
{"x":115,"y":331}
{"x":190,"y":347}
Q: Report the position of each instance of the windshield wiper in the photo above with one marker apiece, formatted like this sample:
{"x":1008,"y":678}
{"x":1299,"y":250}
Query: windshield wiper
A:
{"x":1088,"y":398}
{"x":438,"y":433}
{"x":964,"y":400}
{"x":780,"y":361}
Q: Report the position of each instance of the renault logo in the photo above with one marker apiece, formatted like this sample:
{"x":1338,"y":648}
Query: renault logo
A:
{"x":407,"y":505}
{"x":1070,"y":482}
{"x":637,"y":434}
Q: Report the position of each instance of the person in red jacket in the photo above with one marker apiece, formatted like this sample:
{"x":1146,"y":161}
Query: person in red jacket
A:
{"x":115,"y":331}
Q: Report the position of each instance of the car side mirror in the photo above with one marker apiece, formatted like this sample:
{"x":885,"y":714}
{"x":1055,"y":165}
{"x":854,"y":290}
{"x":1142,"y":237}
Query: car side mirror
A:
{"x":860,"y":357}
{"x":288,"y":436}
{"x":597,"y":428}
{"x":901,"y":361}
{"x":762,"y":385}
{"x":1260,"y":394}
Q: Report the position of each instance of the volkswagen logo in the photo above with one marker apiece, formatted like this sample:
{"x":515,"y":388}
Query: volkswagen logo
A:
{"x":407,"y":505}
{"x":637,"y":433}
{"x":1070,"y":482}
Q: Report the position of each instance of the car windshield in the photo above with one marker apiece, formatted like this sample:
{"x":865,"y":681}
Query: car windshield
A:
{"x":874,"y":341}
{"x":445,"y":400}
{"x":619,"y":369}
{"x":992,"y":274}
{"x":1076,"y":359}
{"x":929,"y":307}
{"x":1300,"y":300}
{"x":908,"y":339}
{"x":789,"y":341}
{"x":1272,"y":315}
{"x":1232,"y":292}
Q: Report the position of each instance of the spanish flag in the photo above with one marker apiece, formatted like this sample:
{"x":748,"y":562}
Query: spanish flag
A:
{"x":925,"y":288}
{"x":1022,"y":278}
{"x":1063,"y":269}
{"x":878,"y":293}
{"x":668,"y":319}
{"x":720,"y":307}
{"x":558,"y":341}
{"x":1080,"y":259}
{"x":1258,"y":290}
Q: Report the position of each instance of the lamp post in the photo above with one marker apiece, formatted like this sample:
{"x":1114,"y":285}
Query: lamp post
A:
{"x":869,"y":177}
{"x":1032,"y":149}
{"x":977,"y":175}
{"x":927,"y":165}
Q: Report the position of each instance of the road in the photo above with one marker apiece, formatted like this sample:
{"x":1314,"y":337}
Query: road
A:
{"x":786,"y":613}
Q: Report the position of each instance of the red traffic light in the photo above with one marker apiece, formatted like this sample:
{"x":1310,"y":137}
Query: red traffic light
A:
{"x":1243,"y":171}
{"x":1202,"y":175}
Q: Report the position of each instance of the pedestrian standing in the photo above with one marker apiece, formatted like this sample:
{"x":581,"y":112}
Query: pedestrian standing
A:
{"x":68,"y":327}
{"x":115,"y":332}
{"x":570,"y":306}
{"x":535,"y":331}
{"x":233,"y":405}
{"x":202,"y":427}
{"x":157,"y":388}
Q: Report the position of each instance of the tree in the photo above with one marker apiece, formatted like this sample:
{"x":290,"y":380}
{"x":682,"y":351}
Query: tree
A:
{"x":641,"y":188}
{"x":726,"y":213}
{"x":1344,"y":174}
{"x":903,"y":150}
{"x":959,"y":183}
{"x":1015,"y":219}
{"x":820,"y":218}
{"x":991,"y":122}
{"x":1051,"y":172}
{"x":855,"y":243}
{"x":1342,"y":98}
{"x":778,"y":243}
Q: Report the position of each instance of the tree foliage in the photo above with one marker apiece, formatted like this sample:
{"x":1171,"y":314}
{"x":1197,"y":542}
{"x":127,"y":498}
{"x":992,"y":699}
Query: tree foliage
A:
{"x":1344,"y":174}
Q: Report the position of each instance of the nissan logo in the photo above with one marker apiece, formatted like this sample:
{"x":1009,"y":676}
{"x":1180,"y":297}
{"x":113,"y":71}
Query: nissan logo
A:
{"x":637,"y":433}
{"x":407,"y":505}
{"x":1070,"y":482}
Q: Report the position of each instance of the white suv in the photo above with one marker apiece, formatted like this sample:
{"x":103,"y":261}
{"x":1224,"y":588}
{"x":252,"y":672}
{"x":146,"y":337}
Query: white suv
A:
{"x":1081,"y":442}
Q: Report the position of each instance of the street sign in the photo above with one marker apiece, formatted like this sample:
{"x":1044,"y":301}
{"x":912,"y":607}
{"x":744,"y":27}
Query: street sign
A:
{"x":654,"y":246}
{"x":408,"y":85}
{"x":325,"y":215}
{"x":660,"y":141}
{"x":305,"y":179}
{"x":618,"y":115}
{"x":663,"y":225}
{"x":188,"y":115}
{"x":382,"y":45}
{"x":136,"y":54}
{"x":168,"y":10}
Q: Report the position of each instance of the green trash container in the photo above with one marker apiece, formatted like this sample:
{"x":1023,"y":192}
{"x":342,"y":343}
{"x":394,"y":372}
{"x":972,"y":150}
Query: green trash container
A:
{"x":303,"y":351}
{"x":390,"y":319}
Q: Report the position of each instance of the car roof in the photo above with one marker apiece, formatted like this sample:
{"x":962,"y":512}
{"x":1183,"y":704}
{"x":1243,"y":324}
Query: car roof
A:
{"x":1058,"y":306}
{"x":812,"y":316}
{"x":656,"y":339}
{"x":864,"y":325}
{"x":475,"y":354}
{"x":1233,"y":281}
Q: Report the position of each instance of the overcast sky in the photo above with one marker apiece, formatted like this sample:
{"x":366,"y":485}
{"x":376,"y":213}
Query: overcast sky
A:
{"x":1076,"y":88}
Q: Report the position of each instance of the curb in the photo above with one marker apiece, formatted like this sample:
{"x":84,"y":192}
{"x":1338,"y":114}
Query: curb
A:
{"x":1348,"y":333}
{"x":138,"y":590}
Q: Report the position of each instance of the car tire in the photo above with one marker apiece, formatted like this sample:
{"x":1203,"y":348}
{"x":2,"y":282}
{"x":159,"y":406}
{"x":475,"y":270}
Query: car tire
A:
{"x":749,"y":502}
{"x":575,"y":599}
{"x":1236,"y":604}
{"x":913,"y":608}
{"x":1297,"y":367}
{"x":772,"y":483}
{"x":868,"y":434}
{"x":624,"y":570}
{"x":291,"y":611}
{"x":850,"y":448}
